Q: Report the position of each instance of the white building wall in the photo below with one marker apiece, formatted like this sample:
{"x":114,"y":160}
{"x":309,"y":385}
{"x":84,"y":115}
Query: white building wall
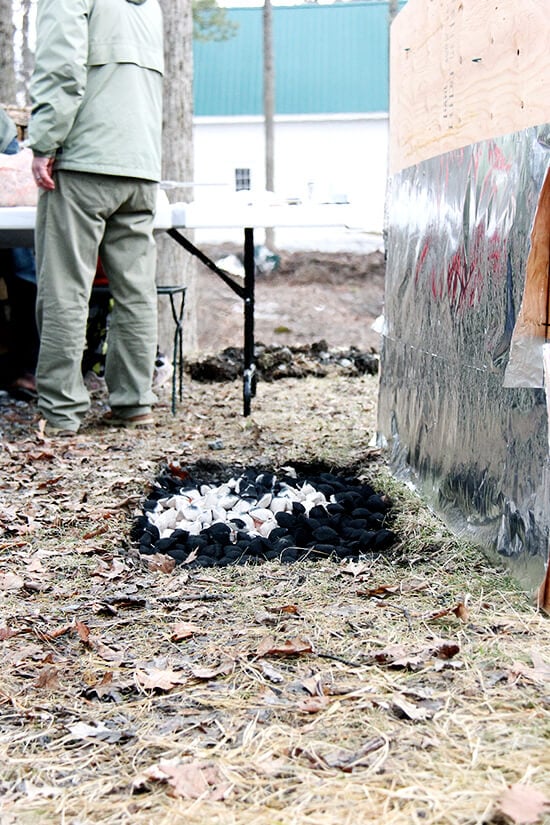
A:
{"x":322,"y":158}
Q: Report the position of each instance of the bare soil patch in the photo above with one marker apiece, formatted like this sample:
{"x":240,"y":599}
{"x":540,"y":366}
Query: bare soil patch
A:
{"x":312,"y":296}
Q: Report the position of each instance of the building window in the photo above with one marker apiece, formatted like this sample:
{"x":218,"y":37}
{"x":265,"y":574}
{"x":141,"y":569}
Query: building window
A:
{"x":242,"y":179}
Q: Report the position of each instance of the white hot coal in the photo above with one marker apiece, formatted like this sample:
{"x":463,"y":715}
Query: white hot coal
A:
{"x":257,"y":516}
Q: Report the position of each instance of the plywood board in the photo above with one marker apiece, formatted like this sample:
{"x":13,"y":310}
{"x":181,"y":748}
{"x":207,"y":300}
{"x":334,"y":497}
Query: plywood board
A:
{"x":462,"y":71}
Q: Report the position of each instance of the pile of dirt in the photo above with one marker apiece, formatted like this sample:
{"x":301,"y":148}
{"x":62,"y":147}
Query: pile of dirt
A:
{"x":275,"y":361}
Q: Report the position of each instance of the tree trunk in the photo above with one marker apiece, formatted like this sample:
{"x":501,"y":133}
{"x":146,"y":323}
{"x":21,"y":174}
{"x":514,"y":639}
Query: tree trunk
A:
{"x":269,"y":109}
{"x":27,"y":56}
{"x":175,"y":266}
{"x":7,"y":56}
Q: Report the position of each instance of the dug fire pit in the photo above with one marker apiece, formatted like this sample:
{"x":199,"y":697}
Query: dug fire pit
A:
{"x":255,"y":515}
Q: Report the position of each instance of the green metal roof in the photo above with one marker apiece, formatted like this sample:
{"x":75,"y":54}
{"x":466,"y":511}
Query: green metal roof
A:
{"x":328,"y":59}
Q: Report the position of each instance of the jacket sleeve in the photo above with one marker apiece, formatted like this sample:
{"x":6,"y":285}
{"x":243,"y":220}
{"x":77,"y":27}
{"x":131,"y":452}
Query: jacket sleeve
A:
{"x":59,"y":78}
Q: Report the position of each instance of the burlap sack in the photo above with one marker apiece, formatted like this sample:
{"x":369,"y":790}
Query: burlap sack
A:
{"x":17,"y":186}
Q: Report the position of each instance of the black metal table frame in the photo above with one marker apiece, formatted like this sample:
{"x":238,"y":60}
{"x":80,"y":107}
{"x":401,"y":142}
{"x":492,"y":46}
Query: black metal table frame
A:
{"x":245,"y":293}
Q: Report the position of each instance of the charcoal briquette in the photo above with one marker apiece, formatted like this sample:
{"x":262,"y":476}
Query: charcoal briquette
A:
{"x":284,"y":519}
{"x":265,"y":481}
{"x":383,"y":539}
{"x":277,"y":533}
{"x":319,"y":512}
{"x":322,"y":550}
{"x":376,"y":520}
{"x":282,"y":543}
{"x":147,"y":549}
{"x":346,"y":552}
{"x":289,"y":555}
{"x":298,"y":508}
{"x":163,"y":545}
{"x":140,"y":524}
{"x":202,"y":561}
{"x":366,"y":538}
{"x":212,"y":551}
{"x":361,"y":512}
{"x":258,"y":545}
{"x":302,"y":536}
{"x":178,"y":553}
{"x":217,"y":531}
{"x":326,"y":535}
{"x":376,"y":503}
{"x":335,"y":508}
{"x":357,"y":523}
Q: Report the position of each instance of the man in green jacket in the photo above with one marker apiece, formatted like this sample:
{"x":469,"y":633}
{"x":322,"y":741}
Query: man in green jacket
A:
{"x":95,"y":132}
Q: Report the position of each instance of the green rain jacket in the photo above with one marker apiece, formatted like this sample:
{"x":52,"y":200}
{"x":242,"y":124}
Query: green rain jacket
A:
{"x":7,"y":130}
{"x":97,"y":86}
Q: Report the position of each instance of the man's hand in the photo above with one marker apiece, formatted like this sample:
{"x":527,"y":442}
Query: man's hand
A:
{"x":42,"y":169}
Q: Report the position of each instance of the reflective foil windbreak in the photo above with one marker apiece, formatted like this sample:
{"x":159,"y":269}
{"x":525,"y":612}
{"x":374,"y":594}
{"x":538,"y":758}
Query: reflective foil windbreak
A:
{"x":458,"y":240}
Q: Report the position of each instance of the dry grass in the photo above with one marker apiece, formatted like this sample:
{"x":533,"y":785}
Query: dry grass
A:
{"x":416,"y":693}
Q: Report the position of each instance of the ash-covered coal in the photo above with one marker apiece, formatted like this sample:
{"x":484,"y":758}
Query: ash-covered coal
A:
{"x":255,"y":516}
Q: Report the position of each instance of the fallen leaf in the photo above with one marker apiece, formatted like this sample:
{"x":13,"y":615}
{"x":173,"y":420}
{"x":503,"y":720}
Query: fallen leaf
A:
{"x":346,"y":760}
{"x":191,"y":557}
{"x":313,"y":704}
{"x":83,"y":632}
{"x":357,"y":569}
{"x":271,"y":673}
{"x":58,"y":631}
{"x":117,"y":569}
{"x":399,"y":656}
{"x":193,"y":780}
{"x":11,"y":581}
{"x":286,"y":608}
{"x":314,"y":685}
{"x":380,"y":592}
{"x":184,"y":630}
{"x":48,"y":677}
{"x":7,"y":633}
{"x":211,"y":672}
{"x":159,"y":563}
{"x":523,"y":804}
{"x":290,"y":647}
{"x":272,"y":766}
{"x":459,"y":610}
{"x":94,"y":533}
{"x":108,"y":654}
{"x":157,"y":679}
{"x":402,"y":708}
{"x":97,"y":730}
{"x":538,"y":674}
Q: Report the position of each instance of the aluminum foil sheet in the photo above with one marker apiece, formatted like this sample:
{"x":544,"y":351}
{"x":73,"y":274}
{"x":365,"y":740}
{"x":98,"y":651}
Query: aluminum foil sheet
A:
{"x":459,"y":416}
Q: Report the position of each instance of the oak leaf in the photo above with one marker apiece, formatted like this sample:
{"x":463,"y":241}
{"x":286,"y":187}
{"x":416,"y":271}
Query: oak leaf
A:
{"x":290,"y":647}
{"x":158,"y":679}
{"x":184,"y":630}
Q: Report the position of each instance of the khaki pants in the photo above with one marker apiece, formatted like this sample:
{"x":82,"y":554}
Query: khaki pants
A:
{"x":85,"y":216}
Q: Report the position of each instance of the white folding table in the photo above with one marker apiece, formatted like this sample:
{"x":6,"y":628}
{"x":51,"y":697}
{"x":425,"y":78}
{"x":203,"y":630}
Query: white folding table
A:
{"x":17,"y":229}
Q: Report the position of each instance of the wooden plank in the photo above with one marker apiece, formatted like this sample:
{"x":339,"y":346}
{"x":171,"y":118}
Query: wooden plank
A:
{"x":462,"y":71}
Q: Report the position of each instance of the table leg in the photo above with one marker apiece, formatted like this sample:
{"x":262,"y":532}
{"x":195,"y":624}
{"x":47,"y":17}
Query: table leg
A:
{"x":249,"y":373}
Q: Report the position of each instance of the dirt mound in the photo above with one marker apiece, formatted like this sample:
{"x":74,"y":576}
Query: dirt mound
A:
{"x":275,"y":361}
